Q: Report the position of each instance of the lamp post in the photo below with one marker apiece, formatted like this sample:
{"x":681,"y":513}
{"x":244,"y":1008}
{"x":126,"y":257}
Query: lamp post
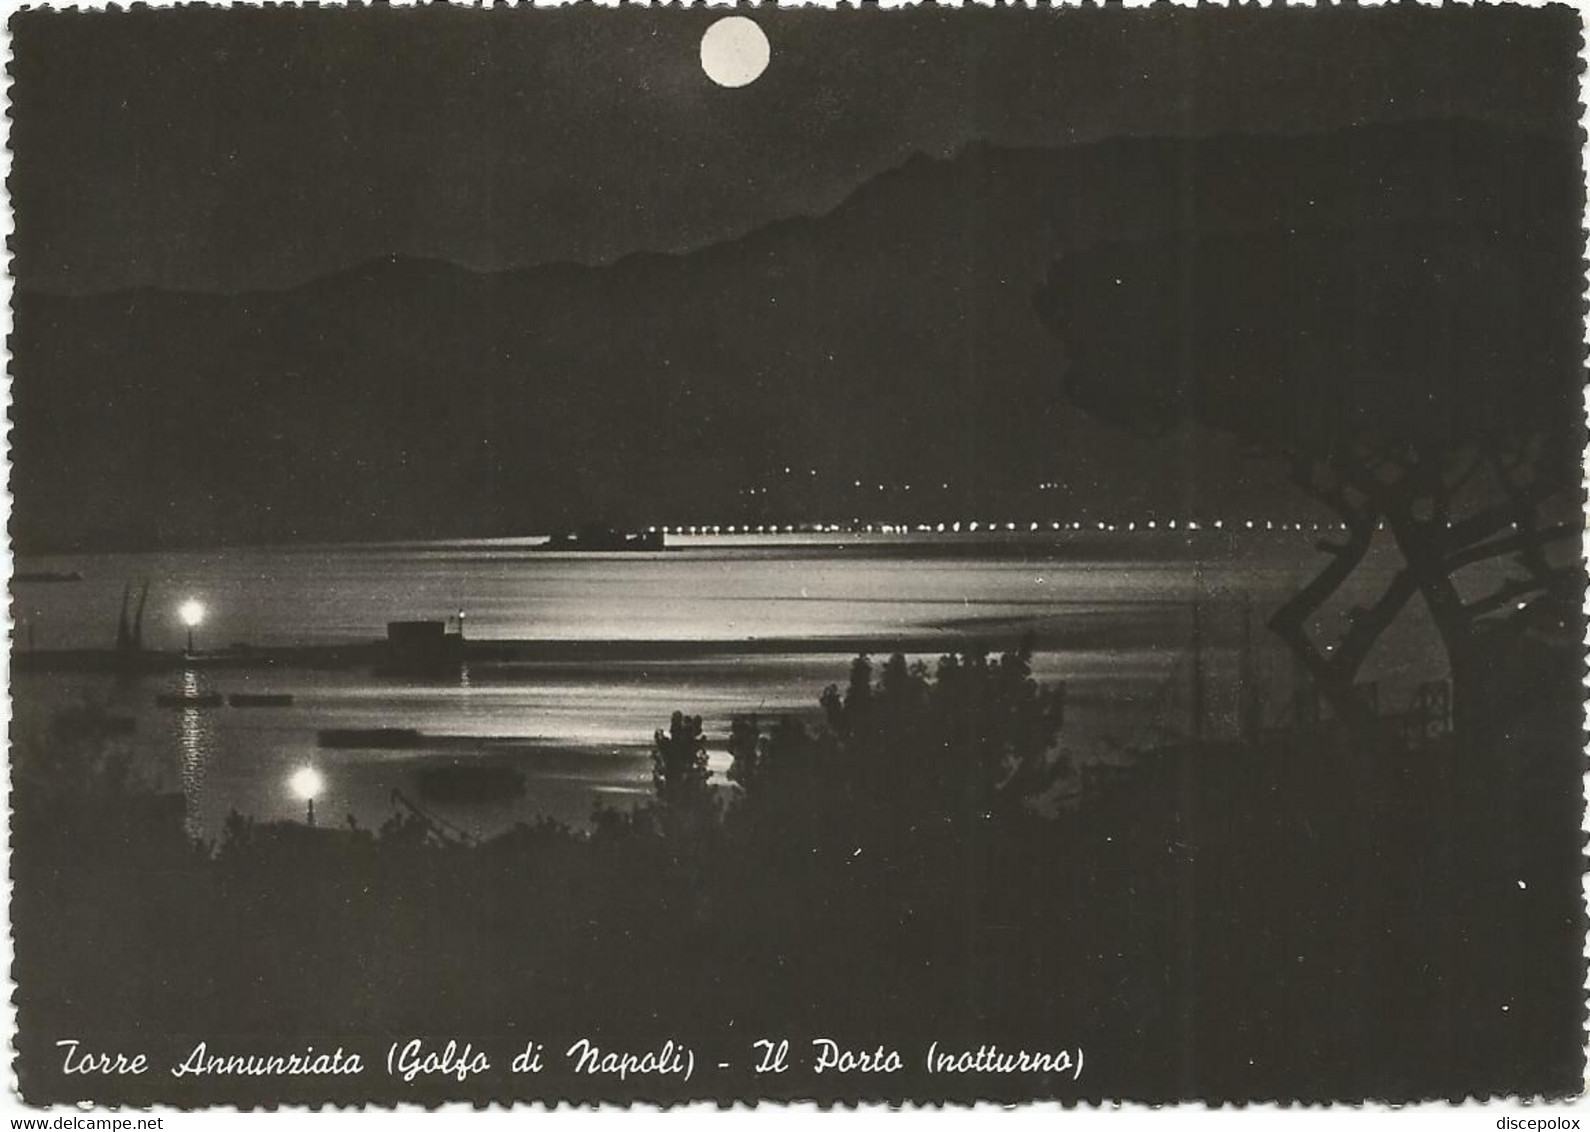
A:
{"x":306,"y":783}
{"x":192,"y":614}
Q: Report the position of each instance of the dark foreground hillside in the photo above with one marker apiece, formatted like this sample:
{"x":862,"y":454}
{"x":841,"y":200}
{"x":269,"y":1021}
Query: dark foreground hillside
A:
{"x":1307,"y":917}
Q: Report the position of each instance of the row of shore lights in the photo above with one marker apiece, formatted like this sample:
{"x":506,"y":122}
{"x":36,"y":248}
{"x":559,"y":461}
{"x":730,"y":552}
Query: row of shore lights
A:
{"x":973,"y":527}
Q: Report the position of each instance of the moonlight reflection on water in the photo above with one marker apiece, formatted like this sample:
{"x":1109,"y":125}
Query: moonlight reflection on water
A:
{"x":718,"y":628}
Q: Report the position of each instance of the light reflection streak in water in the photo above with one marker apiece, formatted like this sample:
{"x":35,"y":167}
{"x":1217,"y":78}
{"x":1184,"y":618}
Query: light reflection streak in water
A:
{"x":195,"y":743}
{"x":1114,"y":627}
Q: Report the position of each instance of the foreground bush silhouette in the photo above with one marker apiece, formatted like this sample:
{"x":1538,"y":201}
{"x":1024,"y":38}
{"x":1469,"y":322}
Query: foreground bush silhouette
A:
{"x":1278,"y":920}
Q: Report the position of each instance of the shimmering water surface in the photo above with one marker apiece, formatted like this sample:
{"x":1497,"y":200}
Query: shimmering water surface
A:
{"x":715,"y":626}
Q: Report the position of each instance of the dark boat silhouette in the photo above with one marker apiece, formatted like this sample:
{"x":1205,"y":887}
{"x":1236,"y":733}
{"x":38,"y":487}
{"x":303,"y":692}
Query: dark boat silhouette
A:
{"x":369,"y":738}
{"x":187,"y":700}
{"x":594,"y":537}
{"x":47,"y":576}
{"x":260,"y":699}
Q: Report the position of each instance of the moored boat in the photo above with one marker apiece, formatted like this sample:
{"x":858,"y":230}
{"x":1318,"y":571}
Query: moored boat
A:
{"x":190,"y":699}
{"x":369,"y":738}
{"x":260,"y":699}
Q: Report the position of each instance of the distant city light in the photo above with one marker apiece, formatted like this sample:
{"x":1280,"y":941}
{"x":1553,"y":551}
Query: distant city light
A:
{"x":307,"y":783}
{"x":192,"y":613}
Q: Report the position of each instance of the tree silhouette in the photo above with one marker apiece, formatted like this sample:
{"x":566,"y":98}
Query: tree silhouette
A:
{"x":748,"y":749}
{"x":973,"y":737}
{"x":680,"y":776}
{"x":1420,"y":380}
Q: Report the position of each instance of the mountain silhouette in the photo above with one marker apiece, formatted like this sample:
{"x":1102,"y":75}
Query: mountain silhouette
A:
{"x":890,"y":341}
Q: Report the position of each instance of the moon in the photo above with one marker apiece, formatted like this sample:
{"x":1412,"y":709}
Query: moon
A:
{"x":734,"y":52}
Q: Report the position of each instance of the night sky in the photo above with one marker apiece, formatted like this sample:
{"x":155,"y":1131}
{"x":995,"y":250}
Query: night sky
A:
{"x":242,"y":149}
{"x":363,"y":274}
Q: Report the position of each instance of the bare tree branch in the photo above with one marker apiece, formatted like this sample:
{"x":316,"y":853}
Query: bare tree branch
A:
{"x":1511,"y":544}
{"x":1488,"y":520}
{"x":1476,"y":462}
{"x":1290,"y":621}
{"x":1514,"y":589}
{"x":1369,"y":624}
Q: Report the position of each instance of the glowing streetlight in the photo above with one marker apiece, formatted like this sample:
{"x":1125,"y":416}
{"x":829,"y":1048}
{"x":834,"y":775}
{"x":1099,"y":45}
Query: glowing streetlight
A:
{"x":307,"y":783}
{"x":192,"y":614}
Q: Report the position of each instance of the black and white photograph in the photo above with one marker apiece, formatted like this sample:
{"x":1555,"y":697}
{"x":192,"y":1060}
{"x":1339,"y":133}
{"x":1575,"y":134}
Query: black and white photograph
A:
{"x":645,"y":554}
